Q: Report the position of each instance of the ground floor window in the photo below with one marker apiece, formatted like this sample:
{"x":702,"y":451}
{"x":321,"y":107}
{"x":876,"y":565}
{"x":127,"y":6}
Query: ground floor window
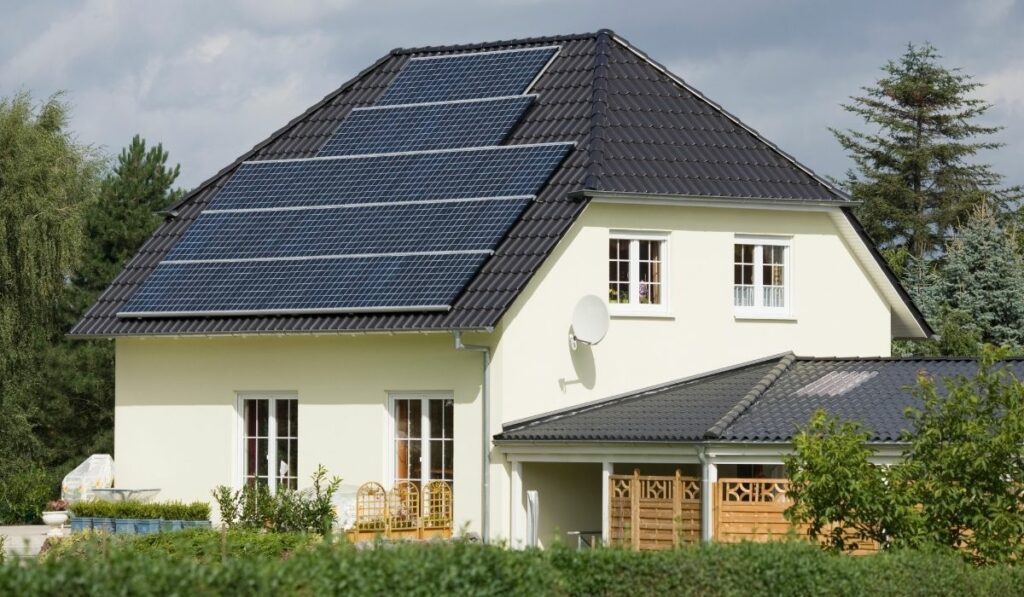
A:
{"x":423,"y":437}
{"x":270,"y":441}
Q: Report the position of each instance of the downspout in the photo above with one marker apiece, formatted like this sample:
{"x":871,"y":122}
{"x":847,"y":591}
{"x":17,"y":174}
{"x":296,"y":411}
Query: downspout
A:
{"x":485,"y":448}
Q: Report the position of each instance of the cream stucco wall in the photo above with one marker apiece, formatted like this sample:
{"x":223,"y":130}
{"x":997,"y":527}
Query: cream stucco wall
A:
{"x":176,"y":399}
{"x":836,"y":309}
{"x":177,"y":423}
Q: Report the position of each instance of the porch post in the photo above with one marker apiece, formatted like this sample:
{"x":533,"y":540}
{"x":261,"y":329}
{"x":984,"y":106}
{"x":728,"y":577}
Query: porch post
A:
{"x":606,"y":502}
{"x":517,"y":520}
{"x":709,"y":483}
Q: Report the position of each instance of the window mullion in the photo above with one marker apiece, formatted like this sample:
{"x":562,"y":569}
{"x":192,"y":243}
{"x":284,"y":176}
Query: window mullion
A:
{"x":424,"y":442}
{"x":272,"y":444}
{"x":759,"y":276}
{"x":634,"y":272}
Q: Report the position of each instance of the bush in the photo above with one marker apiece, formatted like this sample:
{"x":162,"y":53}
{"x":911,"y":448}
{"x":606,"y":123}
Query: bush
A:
{"x":262,"y":564}
{"x":136,"y":509}
{"x":24,"y":491}
{"x":199,"y":544}
{"x":253,"y":507}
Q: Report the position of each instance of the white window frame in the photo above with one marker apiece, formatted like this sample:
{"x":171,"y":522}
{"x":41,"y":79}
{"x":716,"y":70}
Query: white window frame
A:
{"x":758,"y":310}
{"x":393,"y":398}
{"x":634,"y":307}
{"x":240,"y":398}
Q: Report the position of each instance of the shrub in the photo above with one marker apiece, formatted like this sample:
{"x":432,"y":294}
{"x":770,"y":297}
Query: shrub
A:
{"x":208,"y":562}
{"x":137,"y":509}
{"x":956,"y":486}
{"x":24,"y":491}
{"x":254,"y":507}
{"x":199,"y":544}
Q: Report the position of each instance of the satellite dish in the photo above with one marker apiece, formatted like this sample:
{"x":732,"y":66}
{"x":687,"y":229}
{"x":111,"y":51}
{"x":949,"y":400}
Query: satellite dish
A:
{"x":589,"y":321}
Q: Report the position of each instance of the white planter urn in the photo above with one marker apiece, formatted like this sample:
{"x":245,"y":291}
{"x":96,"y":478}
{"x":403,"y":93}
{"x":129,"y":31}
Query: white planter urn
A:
{"x":55,"y":519}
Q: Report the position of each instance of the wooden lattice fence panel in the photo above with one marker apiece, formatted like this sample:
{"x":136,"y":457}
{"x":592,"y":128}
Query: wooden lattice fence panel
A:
{"x":653,"y":512}
{"x":754,"y":510}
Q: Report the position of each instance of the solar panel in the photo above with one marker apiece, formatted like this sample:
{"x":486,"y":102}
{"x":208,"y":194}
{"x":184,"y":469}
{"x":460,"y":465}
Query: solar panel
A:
{"x":446,"y":174}
{"x":413,"y":127}
{"x":466,"y":76}
{"x":459,"y":225}
{"x":395,"y":282}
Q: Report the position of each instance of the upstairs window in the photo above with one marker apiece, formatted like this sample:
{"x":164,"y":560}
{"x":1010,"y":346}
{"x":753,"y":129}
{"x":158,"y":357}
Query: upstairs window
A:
{"x":637,"y":279}
{"x":761,"y":277}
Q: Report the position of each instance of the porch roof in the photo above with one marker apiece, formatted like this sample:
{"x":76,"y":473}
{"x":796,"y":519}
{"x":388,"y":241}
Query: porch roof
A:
{"x":765,"y":400}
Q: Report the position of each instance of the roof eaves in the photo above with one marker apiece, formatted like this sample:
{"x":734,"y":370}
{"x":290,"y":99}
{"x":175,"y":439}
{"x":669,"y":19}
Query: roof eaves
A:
{"x":716,"y":430}
{"x":698,"y":94}
{"x":891,"y":275}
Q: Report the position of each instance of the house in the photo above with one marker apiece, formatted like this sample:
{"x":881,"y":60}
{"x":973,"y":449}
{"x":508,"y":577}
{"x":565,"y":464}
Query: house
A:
{"x":385,"y":286}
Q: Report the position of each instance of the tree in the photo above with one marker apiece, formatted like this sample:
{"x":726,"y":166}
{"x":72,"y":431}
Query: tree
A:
{"x":47,"y":182}
{"x":965,"y":464}
{"x":914,"y":175}
{"x":76,"y":377}
{"x":983,"y":276}
{"x":958,"y":482}
{"x":843,"y":498}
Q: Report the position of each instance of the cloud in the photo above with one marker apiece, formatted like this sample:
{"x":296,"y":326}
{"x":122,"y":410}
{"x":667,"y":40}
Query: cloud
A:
{"x":211,"y":79}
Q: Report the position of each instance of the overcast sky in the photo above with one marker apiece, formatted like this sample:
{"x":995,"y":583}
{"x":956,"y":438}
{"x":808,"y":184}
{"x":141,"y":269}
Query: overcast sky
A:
{"x":210,"y":78}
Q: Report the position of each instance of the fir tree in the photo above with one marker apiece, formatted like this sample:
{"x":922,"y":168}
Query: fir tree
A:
{"x":915,"y":175}
{"x":983,"y":276}
{"x":76,"y":377}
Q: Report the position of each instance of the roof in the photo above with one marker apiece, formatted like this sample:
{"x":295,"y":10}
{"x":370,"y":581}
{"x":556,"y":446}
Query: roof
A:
{"x":763,"y":401}
{"x":637,"y":129}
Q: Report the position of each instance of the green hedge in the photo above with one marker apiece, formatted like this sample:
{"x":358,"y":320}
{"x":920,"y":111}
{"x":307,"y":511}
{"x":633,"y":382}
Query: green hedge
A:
{"x":136,"y":509}
{"x":199,"y":544}
{"x":249,"y":564}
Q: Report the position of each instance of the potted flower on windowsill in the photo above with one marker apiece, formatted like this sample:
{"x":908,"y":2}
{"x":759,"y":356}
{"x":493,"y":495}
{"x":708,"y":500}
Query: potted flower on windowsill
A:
{"x":56,"y":516}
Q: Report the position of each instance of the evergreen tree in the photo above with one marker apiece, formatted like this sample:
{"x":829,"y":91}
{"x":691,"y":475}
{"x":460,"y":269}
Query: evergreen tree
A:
{"x":76,"y":377}
{"x":983,"y":275}
{"x":915,"y":175}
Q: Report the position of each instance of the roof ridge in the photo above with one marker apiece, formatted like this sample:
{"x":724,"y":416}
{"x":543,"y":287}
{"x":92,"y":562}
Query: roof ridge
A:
{"x":501,"y":42}
{"x":731,"y":117}
{"x":598,"y":106}
{"x":715,"y":431}
{"x":634,"y":394}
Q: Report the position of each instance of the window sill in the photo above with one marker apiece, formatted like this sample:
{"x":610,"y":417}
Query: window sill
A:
{"x":639,"y":314}
{"x":764,"y":317}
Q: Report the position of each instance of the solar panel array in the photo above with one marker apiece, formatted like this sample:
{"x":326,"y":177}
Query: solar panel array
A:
{"x":466,"y":76}
{"x":415,"y":176}
{"x":414,"y":127}
{"x":401,"y":208}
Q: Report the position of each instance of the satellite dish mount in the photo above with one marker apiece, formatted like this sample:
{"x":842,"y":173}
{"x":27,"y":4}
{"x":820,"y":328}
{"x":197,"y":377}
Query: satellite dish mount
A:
{"x":589,"y":321}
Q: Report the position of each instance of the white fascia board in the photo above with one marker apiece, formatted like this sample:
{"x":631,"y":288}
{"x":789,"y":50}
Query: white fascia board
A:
{"x":667,"y":453}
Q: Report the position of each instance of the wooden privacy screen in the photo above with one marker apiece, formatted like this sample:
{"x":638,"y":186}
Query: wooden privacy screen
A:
{"x":659,"y":512}
{"x":652,"y":512}
{"x":404,"y":512}
{"x":754,"y":510}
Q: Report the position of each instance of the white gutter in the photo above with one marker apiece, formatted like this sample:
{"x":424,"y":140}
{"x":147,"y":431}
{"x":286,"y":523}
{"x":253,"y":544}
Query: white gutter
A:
{"x":485,"y":448}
